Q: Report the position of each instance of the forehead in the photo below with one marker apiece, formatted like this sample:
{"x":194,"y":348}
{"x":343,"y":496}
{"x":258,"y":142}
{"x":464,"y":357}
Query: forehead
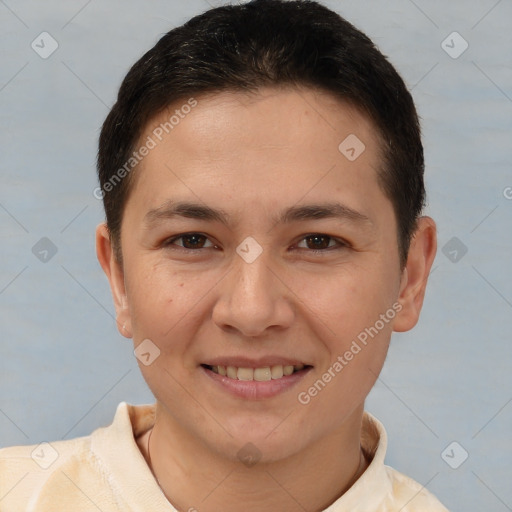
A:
{"x":275,"y":116}
{"x":284,"y":143}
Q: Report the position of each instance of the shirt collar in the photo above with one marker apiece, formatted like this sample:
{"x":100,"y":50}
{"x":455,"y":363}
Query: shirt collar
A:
{"x":135,"y":483}
{"x":371,"y":488}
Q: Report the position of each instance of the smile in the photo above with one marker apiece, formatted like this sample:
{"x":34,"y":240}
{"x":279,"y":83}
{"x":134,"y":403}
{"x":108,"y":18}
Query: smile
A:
{"x":263,"y":380}
{"x":262,"y":374}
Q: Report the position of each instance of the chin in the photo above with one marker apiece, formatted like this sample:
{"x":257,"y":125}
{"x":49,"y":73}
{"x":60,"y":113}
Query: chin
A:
{"x":260,"y":452}
{"x":267,"y":441}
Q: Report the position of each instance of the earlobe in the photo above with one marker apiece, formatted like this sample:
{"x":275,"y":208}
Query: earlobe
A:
{"x":421,"y":255}
{"x":106,"y":257}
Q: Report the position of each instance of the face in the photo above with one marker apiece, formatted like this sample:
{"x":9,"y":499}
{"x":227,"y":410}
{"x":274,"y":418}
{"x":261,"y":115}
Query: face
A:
{"x":250,"y":240}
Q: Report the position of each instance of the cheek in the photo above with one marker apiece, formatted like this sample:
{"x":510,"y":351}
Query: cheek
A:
{"x":152,"y":293}
{"x":164,"y":301}
{"x":357,"y":308}
{"x":359,"y":315}
{"x":349,"y":300}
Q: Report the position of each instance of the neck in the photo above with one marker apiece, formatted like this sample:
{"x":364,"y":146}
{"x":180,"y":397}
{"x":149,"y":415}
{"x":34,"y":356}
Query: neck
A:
{"x":309,"y":480}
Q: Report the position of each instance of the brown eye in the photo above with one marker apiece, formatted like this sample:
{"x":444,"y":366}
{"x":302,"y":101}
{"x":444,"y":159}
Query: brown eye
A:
{"x":190,"y":241}
{"x":318,"y":242}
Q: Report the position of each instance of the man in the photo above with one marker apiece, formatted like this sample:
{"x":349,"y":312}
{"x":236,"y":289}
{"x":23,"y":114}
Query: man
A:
{"x":262,"y":177}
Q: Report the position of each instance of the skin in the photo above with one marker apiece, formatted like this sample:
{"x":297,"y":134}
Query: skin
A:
{"x":252,"y":156}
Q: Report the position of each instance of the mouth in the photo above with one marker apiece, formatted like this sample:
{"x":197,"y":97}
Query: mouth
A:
{"x":254,"y":378}
{"x":261,"y":374}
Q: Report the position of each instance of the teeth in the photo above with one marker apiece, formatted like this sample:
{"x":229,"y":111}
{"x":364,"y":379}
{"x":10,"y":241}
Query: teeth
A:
{"x":288,"y":369}
{"x":262,"y":374}
{"x":277,"y":371}
{"x":245,"y":374}
{"x":259,"y":374}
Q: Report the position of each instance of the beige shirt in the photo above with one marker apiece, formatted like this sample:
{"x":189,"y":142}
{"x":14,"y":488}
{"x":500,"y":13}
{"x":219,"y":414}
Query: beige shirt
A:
{"x":106,"y":471}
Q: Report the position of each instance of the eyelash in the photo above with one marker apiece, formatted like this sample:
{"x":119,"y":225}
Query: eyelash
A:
{"x":341,"y":243}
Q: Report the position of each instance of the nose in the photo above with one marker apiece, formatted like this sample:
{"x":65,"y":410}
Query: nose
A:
{"x":254,"y":297}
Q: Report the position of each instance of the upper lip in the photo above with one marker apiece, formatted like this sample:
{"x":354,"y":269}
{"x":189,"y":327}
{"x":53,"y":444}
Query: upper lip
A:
{"x":244,"y":362}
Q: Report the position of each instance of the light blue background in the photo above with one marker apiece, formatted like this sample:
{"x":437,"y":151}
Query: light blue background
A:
{"x":63,"y":365}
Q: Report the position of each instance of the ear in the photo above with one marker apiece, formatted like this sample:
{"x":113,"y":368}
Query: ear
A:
{"x":421,"y":255}
{"x":115,"y":276}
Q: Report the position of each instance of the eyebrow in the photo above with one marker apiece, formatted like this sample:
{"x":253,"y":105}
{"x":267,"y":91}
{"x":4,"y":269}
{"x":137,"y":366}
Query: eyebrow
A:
{"x":171,"y":209}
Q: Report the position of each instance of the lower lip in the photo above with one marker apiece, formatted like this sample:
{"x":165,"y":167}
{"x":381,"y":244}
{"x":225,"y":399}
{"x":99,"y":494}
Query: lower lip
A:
{"x":253,"y":389}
